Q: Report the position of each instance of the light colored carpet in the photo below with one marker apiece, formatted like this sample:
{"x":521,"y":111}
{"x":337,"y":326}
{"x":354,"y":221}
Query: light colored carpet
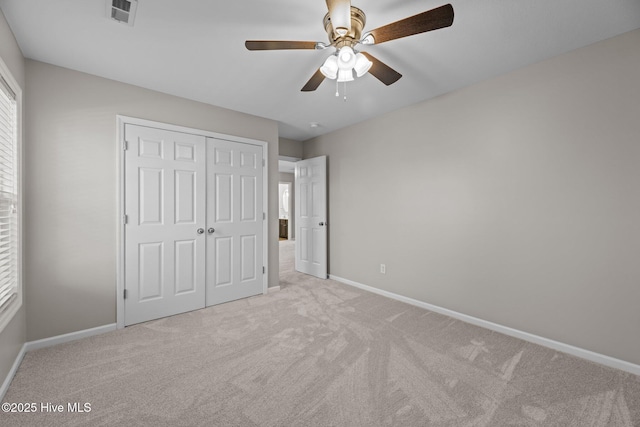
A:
{"x":318,"y":353}
{"x":287,"y":258}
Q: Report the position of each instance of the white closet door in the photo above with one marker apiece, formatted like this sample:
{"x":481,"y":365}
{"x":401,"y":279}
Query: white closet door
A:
{"x":234,"y":221}
{"x":165,"y":176}
{"x":311,"y":216}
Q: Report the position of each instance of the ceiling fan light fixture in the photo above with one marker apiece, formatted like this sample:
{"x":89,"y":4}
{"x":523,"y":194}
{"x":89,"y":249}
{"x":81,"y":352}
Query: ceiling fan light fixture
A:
{"x":344,"y":25}
{"x":345,"y":76}
{"x":330,"y":67}
{"x":362,"y":65}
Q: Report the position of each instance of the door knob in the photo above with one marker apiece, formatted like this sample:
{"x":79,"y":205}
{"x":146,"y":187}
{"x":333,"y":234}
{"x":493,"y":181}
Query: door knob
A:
{"x":200,"y":230}
{"x":321,"y":224}
{"x":211,"y":230}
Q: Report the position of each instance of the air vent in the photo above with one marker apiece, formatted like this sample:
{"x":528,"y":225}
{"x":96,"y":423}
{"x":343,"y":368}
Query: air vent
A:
{"x":123,"y":11}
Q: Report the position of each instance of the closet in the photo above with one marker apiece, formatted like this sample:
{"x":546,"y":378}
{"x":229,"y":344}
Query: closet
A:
{"x":193,"y":222}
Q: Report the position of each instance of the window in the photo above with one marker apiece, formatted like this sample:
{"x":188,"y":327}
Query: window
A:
{"x":10,"y":271}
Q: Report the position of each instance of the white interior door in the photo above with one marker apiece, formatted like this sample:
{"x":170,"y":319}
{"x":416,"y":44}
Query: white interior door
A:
{"x":234,"y":221}
{"x":165,"y":176}
{"x":311,"y":216}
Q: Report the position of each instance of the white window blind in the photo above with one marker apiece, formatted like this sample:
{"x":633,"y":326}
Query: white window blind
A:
{"x":8,"y":197}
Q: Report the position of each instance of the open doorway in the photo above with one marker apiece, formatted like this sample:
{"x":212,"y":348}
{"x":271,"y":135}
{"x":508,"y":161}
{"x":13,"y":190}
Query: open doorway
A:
{"x":303,"y":212}
{"x":286,"y":196}
{"x":285,"y":192}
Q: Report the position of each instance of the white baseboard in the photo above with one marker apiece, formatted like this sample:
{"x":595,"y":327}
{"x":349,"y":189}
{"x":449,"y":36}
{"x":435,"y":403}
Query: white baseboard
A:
{"x":48,"y":342}
{"x":556,"y":345}
{"x":72,"y":336}
{"x":273,"y":289}
{"x":12,"y":372}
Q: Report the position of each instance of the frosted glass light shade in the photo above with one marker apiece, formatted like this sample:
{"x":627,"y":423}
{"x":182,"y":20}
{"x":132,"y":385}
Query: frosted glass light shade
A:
{"x":345,"y":75}
{"x":346,"y":58}
{"x":362,"y":65}
{"x":330,"y":67}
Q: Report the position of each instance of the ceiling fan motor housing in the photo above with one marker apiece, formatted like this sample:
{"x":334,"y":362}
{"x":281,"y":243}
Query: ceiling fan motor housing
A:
{"x":358,"y":19}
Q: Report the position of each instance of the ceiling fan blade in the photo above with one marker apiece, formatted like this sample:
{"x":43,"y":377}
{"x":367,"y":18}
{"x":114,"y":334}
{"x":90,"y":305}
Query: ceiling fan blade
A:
{"x":340,"y":15}
{"x":430,"y":20}
{"x":278,"y":45}
{"x":382,"y":71}
{"x":314,"y":82}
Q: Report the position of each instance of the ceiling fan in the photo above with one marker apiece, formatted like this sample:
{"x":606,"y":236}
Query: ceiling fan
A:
{"x":344,"y":25}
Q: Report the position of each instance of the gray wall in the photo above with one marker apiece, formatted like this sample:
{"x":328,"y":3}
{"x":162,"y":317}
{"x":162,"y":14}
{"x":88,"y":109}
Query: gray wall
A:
{"x":71,"y":184}
{"x":514,"y":200}
{"x":290,"y":148}
{"x":289,"y":177}
{"x":14,"y":334}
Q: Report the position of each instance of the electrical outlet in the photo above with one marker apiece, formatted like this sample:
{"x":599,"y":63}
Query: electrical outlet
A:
{"x":383,"y":269}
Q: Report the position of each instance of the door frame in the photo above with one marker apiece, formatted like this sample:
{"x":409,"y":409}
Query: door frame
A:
{"x":121,"y":121}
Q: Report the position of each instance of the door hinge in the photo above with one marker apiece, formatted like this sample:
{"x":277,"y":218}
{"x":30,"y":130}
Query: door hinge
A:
{"x":264,"y":215}
{"x":263,"y":162}
{"x":125,"y":294}
{"x":125,"y":219}
{"x":264,"y":269}
{"x":125,"y":145}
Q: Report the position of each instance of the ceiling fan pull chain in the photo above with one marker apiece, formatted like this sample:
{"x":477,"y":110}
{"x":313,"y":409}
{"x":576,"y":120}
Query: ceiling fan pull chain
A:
{"x":337,"y":88}
{"x":345,"y":91}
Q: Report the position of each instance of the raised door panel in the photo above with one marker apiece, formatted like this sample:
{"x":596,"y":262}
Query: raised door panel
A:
{"x":151,"y":148}
{"x":248,"y":160}
{"x":248,"y":200}
{"x":151,"y":196}
{"x":303,"y":246}
{"x":316,"y":245}
{"x":223,"y":157}
{"x":186,"y":264}
{"x":184,"y":152}
{"x":223,"y":261}
{"x":316,"y":200}
{"x":185,"y":196}
{"x":151,"y":270}
{"x":248,"y":250}
{"x":223,"y":197}
{"x":303,"y":200}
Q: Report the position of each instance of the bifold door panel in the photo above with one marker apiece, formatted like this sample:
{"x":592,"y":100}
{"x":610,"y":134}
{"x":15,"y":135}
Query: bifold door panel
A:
{"x":193,"y":234}
{"x":234,"y":206}
{"x":165,"y":175}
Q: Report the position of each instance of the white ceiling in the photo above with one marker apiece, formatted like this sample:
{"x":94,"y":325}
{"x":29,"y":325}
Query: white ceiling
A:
{"x":195,"y":49}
